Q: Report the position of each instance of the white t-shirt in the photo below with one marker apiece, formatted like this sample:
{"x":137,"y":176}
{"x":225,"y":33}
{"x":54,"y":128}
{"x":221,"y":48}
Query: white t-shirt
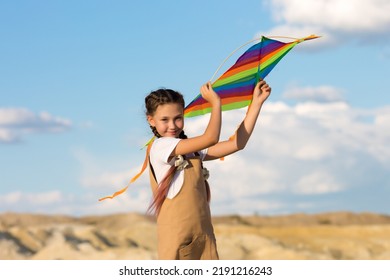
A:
{"x":159,"y":155}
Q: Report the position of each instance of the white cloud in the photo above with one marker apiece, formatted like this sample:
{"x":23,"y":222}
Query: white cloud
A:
{"x":7,"y":136}
{"x":323,"y":93}
{"x":335,"y":20}
{"x":17,"y":122}
{"x":349,"y":15}
{"x":318,"y":182}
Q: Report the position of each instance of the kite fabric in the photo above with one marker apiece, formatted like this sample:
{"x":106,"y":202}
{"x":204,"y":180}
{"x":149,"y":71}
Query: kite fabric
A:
{"x":235,"y":86}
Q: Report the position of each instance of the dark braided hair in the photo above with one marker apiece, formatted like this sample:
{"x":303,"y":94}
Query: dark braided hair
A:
{"x":152,"y":101}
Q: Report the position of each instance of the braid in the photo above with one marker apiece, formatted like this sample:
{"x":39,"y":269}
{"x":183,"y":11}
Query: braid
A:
{"x":182,"y":135}
{"x":155,"y":132}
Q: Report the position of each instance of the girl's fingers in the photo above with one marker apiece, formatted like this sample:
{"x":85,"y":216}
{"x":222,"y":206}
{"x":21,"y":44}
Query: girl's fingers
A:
{"x":206,"y":88}
{"x":262,"y":85}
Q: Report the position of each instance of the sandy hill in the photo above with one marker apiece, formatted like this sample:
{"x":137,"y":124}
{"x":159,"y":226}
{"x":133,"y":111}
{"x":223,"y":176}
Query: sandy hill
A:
{"x":339,"y":235}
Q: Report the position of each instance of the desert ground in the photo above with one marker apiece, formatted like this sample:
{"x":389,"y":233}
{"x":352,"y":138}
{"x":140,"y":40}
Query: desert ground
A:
{"x":130,"y":236}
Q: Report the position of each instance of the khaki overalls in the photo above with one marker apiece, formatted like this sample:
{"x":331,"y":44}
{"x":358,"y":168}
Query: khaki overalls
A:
{"x":184,"y":229}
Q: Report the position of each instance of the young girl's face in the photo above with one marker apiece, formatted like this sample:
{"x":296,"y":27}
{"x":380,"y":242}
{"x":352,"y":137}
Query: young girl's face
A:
{"x":168,"y":119}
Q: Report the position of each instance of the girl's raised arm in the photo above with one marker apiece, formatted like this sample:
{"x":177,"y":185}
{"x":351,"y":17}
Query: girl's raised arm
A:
{"x":244,"y":131}
{"x":211,"y":135}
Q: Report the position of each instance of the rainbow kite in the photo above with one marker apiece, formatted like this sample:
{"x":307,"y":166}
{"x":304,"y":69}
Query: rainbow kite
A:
{"x":235,"y":86}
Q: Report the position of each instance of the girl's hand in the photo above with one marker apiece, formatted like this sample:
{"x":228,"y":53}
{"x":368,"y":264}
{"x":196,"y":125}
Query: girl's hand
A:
{"x":209,"y":94}
{"x":261,"y":92}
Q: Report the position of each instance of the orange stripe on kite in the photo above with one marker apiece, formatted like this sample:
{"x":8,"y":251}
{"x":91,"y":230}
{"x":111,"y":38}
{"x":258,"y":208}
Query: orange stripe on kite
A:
{"x":244,"y":67}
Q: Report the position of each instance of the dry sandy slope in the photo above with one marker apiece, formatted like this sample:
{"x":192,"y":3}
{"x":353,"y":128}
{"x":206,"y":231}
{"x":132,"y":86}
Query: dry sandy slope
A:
{"x":340,"y":235}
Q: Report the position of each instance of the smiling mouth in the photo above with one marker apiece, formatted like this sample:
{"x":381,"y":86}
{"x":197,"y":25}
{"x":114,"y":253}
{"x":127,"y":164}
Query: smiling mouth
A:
{"x":172,"y":132}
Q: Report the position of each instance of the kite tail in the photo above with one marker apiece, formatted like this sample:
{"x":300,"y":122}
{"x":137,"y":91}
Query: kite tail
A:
{"x":132,"y":180}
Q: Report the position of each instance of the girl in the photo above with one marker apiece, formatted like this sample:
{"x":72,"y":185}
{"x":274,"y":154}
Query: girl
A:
{"x":178,"y":179}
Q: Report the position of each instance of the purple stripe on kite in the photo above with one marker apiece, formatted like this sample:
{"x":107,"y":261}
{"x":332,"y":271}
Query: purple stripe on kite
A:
{"x":254,"y":51}
{"x":197,"y":102}
{"x":263,"y":48}
{"x":239,"y":93}
{"x":266,"y":50}
{"x":238,"y":65}
{"x":250,"y":55}
{"x":193,"y":101}
{"x":236,"y":92}
{"x":235,"y":86}
{"x":269,"y":45}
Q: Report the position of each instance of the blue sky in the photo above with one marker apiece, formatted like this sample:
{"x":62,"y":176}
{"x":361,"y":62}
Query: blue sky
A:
{"x":74,"y":75}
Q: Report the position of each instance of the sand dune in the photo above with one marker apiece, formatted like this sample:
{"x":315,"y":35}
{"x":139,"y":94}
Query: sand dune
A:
{"x":340,"y":235}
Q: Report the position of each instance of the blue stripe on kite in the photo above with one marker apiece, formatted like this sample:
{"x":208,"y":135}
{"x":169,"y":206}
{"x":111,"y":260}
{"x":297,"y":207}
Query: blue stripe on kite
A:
{"x":236,"y":92}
